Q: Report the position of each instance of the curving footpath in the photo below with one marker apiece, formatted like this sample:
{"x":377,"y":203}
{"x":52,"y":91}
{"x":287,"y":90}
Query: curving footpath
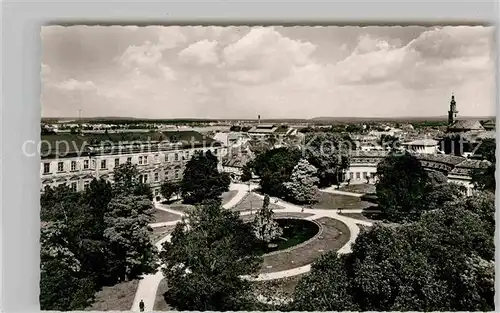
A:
{"x":148,"y":285}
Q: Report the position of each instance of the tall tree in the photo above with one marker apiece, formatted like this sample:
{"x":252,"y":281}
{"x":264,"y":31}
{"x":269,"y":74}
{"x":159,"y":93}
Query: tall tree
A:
{"x":128,"y":235}
{"x":302,"y":187}
{"x":484,"y":177}
{"x":169,"y":189}
{"x":274,"y":167}
{"x":265,"y":228}
{"x":127,"y":181}
{"x":329,"y":153}
{"x":205,"y":259}
{"x":202,"y":181}
{"x":402,"y":187}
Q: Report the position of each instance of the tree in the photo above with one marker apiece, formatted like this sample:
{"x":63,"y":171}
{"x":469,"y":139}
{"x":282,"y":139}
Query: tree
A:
{"x":402,"y":187}
{"x":169,"y":189}
{"x":247,"y":172}
{"x":265,"y":228}
{"x":274,"y":167}
{"x":389,"y":141}
{"x":327,"y":287}
{"x":202,"y":181}
{"x":329,"y":153}
{"x":127,"y":181}
{"x":302,"y":185}
{"x":205,"y":259}
{"x":128,"y":236}
{"x":62,"y":285}
{"x":483,"y":177}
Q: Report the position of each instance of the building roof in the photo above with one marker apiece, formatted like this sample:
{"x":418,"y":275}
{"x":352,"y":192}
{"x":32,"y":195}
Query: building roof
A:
{"x":466,"y":167}
{"x":465,"y":125}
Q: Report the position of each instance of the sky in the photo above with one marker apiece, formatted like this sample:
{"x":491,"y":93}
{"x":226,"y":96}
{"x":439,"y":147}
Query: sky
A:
{"x":276,"y":72}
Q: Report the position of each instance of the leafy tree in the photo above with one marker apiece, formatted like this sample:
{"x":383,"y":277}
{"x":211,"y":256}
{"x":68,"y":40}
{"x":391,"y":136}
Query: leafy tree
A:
{"x":128,"y":236}
{"x":265,"y":227}
{"x":202,"y":181}
{"x":389,"y":141}
{"x":329,"y":153}
{"x":205,"y":259}
{"x":327,"y":287}
{"x":247,"y":172}
{"x":169,"y":189}
{"x":402,"y":187}
{"x":274,"y":168}
{"x":302,"y":185}
{"x":62,"y":285}
{"x":127,"y":180}
{"x":484,"y":177}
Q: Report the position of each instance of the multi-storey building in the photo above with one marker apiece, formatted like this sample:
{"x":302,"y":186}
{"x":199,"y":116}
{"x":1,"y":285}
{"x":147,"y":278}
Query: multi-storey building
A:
{"x":75,"y":160}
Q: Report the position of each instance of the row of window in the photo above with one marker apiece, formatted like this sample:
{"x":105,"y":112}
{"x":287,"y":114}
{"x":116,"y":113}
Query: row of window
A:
{"x":358,"y":175}
{"x":144,"y":178}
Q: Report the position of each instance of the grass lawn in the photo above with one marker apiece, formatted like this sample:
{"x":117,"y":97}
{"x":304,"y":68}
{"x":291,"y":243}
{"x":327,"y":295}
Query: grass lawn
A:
{"x":179,"y":206}
{"x":119,"y":297}
{"x":160,"y":232}
{"x":160,"y":303}
{"x":164,"y":216}
{"x":330,"y":201}
{"x":335,"y":235}
{"x":250,"y":217}
{"x":254,"y":202}
{"x":227,"y":196}
{"x":359,"y":188}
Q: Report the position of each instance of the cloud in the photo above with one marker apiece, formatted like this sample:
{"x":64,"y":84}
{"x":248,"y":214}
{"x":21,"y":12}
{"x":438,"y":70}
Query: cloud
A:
{"x":266,"y":55}
{"x":144,"y":56}
{"x":202,"y":52}
{"x":75,"y":85}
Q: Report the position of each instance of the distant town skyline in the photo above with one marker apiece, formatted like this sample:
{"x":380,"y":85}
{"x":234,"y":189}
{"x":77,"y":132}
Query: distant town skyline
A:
{"x":168,"y":72}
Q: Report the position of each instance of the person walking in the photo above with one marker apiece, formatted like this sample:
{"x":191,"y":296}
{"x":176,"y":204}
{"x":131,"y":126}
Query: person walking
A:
{"x":141,"y":306}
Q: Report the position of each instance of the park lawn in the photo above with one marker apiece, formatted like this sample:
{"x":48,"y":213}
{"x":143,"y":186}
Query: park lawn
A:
{"x":359,"y":188}
{"x":335,"y":235}
{"x":278,"y":287}
{"x":228,"y":195}
{"x":119,"y":297}
{"x":160,"y":303}
{"x":164,"y":216}
{"x":160,"y":232}
{"x":254,"y":202}
{"x":179,"y":206}
{"x":330,"y":201}
{"x":250,"y":217}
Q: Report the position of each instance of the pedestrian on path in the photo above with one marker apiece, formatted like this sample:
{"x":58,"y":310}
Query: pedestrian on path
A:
{"x":340,"y":211}
{"x":141,"y":306}
{"x":302,"y":209}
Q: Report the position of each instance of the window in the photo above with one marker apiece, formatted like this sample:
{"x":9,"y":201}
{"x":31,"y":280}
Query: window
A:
{"x":176,"y":157}
{"x":117,"y":162}
{"x":73,"y":165}
{"x":140,"y":160}
{"x":157,"y":158}
{"x":358,"y":175}
{"x":73,"y":186}
{"x":157,"y":177}
{"x":129,"y":160}
{"x":145,"y":159}
{"x":144,"y":178}
{"x":60,"y":166}
{"x":103,"y":164}
{"x":86,"y":185}
{"x":351,"y":175}
{"x":176,"y":174}
{"x":166,"y":157}
{"x":46,"y":168}
{"x":364,"y":174}
{"x":85,"y":164}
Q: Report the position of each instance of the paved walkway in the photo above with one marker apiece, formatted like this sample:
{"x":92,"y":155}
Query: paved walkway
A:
{"x":333,"y":190}
{"x":148,"y":286}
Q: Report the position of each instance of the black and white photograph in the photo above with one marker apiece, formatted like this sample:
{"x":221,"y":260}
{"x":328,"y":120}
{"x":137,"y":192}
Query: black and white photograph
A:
{"x":267,"y":168}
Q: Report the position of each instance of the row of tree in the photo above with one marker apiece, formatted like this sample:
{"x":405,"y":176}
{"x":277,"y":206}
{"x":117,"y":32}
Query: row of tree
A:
{"x":94,"y":238}
{"x":295,"y":174}
{"x":439,"y":255}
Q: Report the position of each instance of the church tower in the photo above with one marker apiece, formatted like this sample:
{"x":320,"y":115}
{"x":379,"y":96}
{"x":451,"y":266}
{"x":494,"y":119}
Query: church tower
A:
{"x":452,"y":113}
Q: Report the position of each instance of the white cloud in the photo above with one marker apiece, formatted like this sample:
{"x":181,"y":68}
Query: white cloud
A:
{"x":75,"y":85}
{"x":202,"y":52}
{"x":144,"y":56}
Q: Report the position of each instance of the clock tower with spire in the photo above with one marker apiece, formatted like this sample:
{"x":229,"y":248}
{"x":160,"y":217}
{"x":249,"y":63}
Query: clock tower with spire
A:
{"x":452,"y":113}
